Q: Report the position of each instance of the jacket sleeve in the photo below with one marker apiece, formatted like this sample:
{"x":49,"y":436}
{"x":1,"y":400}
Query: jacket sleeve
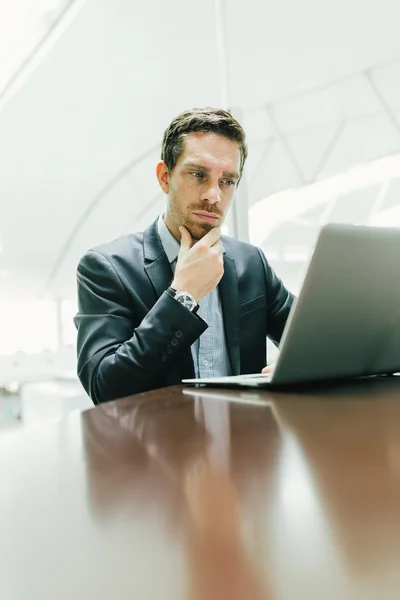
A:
{"x":279,"y":303}
{"x":115,"y":359}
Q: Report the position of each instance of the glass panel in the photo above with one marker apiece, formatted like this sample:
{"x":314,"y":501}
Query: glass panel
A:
{"x":286,"y":225}
{"x":24,"y":25}
{"x":29,"y":327}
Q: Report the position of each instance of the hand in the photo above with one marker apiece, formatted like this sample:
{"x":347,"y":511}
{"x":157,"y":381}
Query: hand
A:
{"x":200,"y":267}
{"x":269,"y":369}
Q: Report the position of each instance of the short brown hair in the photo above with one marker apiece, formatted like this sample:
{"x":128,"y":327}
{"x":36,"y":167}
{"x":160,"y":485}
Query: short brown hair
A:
{"x":198,"y":120}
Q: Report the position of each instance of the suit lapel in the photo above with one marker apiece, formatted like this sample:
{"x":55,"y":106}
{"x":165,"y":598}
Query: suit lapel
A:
{"x":156,"y":263}
{"x":229,"y":292}
{"x":160,"y":273}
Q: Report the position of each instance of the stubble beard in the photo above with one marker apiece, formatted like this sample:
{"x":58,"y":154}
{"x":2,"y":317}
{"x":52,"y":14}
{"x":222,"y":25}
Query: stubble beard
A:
{"x":196,"y":230}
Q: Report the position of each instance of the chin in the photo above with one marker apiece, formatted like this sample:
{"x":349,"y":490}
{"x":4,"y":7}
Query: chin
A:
{"x":199,"y":231}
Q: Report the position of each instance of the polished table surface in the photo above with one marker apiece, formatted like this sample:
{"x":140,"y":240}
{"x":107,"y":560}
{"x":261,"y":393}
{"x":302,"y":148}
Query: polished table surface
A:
{"x":202,"y":494}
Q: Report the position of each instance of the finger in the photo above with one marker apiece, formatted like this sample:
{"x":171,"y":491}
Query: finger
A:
{"x":218,"y":254}
{"x":186,"y":239}
{"x":219,"y":276}
{"x":217,"y":246}
{"x":212,"y":236}
{"x":268,"y":369}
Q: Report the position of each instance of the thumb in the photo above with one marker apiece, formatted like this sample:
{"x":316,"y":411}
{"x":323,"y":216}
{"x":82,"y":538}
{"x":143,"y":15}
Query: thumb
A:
{"x":269,"y":368}
{"x":186,"y":239}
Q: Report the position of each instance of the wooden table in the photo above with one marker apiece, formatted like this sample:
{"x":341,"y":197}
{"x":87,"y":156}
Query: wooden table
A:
{"x":203,"y":494}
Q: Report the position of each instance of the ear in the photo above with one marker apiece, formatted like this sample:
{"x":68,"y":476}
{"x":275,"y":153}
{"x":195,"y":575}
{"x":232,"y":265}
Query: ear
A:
{"x":163,"y":176}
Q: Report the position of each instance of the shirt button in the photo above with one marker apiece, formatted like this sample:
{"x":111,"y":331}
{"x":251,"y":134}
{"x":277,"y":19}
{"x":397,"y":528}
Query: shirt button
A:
{"x":205,"y":363}
{"x":164,"y":357}
{"x":174,"y":342}
{"x":169,"y":349}
{"x":178,"y":334}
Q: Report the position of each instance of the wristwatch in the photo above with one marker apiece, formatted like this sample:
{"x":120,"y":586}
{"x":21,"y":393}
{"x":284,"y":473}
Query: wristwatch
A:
{"x":184,"y":298}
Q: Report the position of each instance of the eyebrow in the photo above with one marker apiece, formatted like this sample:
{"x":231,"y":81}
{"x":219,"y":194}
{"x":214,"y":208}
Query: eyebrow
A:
{"x":229,"y":174}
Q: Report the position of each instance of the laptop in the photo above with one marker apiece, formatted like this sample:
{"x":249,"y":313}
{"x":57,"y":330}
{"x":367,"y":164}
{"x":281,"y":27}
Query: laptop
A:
{"x":346,"y":320}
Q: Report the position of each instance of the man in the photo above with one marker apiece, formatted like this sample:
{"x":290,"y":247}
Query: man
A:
{"x":180,"y":300}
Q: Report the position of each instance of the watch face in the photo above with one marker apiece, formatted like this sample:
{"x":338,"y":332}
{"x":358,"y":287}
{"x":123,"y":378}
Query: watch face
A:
{"x":186,"y":299}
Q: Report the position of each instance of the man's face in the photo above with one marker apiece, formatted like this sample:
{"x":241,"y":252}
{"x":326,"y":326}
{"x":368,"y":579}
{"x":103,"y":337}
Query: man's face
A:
{"x":202,"y":185}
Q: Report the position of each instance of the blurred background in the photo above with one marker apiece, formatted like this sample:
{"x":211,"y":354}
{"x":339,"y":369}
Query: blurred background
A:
{"x":87,"y":88}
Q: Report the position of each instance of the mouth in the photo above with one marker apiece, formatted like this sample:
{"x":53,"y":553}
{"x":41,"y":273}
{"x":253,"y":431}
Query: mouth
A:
{"x":207,"y":217}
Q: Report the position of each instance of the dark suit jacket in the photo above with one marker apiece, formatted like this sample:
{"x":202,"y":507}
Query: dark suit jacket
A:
{"x":133,"y":337}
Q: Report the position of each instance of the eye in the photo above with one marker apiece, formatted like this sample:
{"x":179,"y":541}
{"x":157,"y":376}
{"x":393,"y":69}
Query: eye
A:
{"x":197,"y":174}
{"x":228,"y":182}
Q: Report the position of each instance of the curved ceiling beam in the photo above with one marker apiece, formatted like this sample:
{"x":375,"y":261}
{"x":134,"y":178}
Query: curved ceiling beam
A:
{"x":93,"y":204}
{"x":29,"y":60}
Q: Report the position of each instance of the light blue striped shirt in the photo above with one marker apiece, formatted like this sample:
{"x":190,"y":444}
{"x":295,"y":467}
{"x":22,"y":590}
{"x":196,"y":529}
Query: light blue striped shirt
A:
{"x":209,"y":352}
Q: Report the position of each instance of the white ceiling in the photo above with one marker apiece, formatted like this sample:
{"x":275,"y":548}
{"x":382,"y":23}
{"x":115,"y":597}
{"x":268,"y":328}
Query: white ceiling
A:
{"x":79,"y":140}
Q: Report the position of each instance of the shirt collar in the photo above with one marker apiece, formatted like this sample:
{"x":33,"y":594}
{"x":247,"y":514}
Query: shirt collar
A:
{"x":169,"y":243}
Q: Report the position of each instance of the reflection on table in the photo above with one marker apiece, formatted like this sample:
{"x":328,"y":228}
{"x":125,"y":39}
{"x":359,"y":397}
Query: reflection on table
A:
{"x":198,"y":494}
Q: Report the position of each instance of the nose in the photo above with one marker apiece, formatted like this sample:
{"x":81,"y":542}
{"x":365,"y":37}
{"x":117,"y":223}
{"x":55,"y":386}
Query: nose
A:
{"x":213,"y":194}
